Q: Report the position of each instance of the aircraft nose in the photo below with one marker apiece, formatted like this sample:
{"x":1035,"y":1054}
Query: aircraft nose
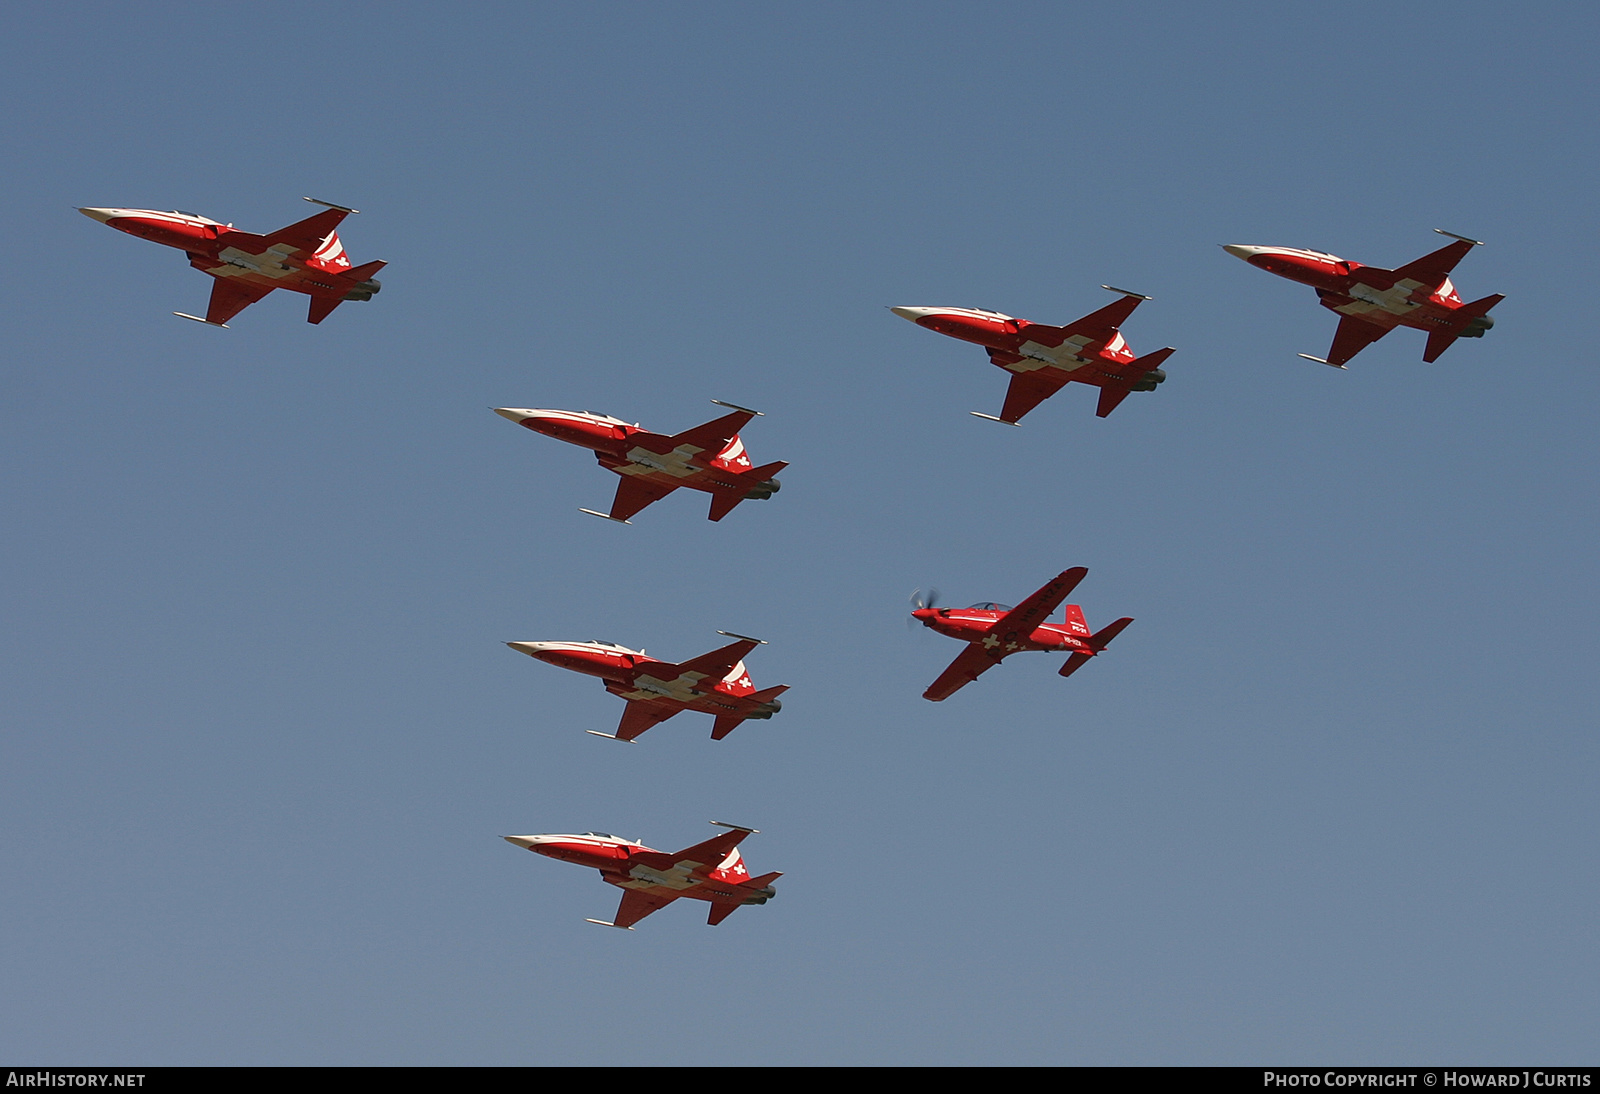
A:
{"x":102,"y":215}
{"x":912,"y":314}
{"x":512,"y":414}
{"x":1240,"y":250}
{"x":532,"y":649}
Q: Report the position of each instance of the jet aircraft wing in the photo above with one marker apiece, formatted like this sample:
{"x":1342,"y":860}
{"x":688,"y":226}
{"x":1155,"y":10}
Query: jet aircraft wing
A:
{"x":719,"y":662}
{"x":1432,"y":269}
{"x":714,"y":435}
{"x":636,"y":905}
{"x":1028,"y":390}
{"x":307,"y":234}
{"x":969,"y":664}
{"x":1037,"y":608}
{"x":711,"y":853}
{"x":634,"y":494}
{"x":1101,"y":325}
{"x":229,"y":298}
{"x":642,"y":714}
{"x":1353,"y":336}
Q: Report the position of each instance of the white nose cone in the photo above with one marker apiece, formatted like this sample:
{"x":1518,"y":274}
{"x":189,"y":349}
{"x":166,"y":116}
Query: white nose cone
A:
{"x":103,"y":215}
{"x":1240,"y":250}
{"x":513,"y":414}
{"x":527,"y":842}
{"x":913,"y":314}
{"x":532,"y":649}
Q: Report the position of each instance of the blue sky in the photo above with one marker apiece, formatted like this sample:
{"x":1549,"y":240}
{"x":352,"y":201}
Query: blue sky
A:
{"x":1331,"y":798}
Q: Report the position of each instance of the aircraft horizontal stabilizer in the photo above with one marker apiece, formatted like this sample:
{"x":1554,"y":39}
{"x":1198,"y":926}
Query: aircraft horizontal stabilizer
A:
{"x":722,"y":505}
{"x":1471,"y":322}
{"x":1110,"y":399}
{"x":322,"y":307}
{"x":1102,"y":638}
{"x":1075,"y":662}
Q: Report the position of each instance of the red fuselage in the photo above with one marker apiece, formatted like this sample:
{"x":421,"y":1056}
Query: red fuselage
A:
{"x":1037,"y":345}
{"x":630,"y":865}
{"x":1369,"y":293}
{"x":637,"y":677}
{"x":976,"y":625}
{"x":664,"y":462}
{"x":225,"y":252}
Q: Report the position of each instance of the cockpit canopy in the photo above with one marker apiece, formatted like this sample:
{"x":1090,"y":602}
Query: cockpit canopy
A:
{"x":988,"y":606}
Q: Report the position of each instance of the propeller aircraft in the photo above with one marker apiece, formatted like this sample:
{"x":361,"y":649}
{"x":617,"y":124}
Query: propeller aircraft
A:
{"x":994,"y":632}
{"x":1372,"y":301}
{"x":715,"y":683}
{"x":713,"y":871}
{"x":1044,"y":359}
{"x":305,"y":257}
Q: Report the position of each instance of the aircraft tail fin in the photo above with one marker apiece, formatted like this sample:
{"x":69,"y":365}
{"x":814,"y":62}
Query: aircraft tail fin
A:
{"x":1097,"y":642}
{"x":1078,"y":625}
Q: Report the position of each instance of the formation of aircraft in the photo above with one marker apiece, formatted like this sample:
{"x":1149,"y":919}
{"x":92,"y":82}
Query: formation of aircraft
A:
{"x":307,"y":257}
{"x":1372,"y":301}
{"x":994,"y":632}
{"x":713,"y":871}
{"x":709,"y":457}
{"x":714,"y":683}
{"x":1043,"y":359}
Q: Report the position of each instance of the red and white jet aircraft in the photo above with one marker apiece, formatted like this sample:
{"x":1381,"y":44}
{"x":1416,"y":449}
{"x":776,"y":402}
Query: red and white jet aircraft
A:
{"x":995,"y":631}
{"x":709,"y":457}
{"x":1372,"y":301}
{"x":1043,"y":359}
{"x":715,"y":683}
{"x":305,"y":257}
{"x":712,"y":871}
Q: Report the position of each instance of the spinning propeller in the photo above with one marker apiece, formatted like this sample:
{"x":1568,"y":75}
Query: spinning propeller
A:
{"x":919,"y":602}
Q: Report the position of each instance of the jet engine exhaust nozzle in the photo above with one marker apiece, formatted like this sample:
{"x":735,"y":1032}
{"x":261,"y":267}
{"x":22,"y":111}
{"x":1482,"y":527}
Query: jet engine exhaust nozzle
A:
{"x":1151,"y":379}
